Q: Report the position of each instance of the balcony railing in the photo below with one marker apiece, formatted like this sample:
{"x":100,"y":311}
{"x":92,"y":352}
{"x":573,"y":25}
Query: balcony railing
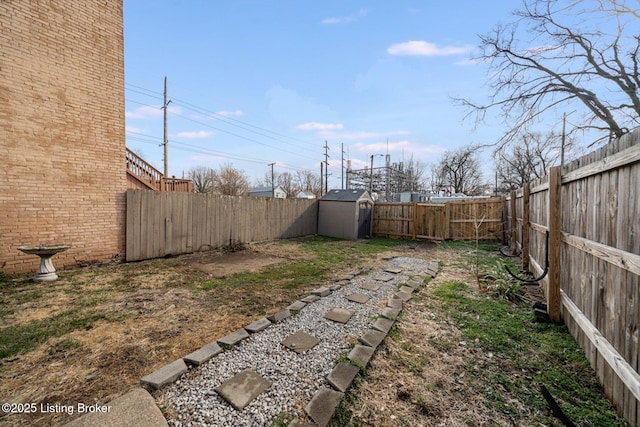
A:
{"x":152,"y":177}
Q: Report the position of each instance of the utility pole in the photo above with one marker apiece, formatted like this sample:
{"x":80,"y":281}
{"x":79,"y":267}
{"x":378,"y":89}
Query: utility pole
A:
{"x":166,"y":135}
{"x":326,"y":169}
{"x":342,"y":165}
{"x":321,"y":166}
{"x":273,"y":183}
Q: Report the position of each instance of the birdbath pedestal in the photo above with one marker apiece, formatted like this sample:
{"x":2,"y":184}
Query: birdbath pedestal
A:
{"x":46,"y":272}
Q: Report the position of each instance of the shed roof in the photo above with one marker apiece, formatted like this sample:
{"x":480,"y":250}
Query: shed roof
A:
{"x":345,"y":195}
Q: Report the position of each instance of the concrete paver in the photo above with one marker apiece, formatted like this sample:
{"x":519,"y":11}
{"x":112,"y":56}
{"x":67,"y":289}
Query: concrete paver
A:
{"x":393,"y":270}
{"x":372,"y":338}
{"x":300,"y":342}
{"x":321,"y":292}
{"x":165,"y":375}
{"x":358,"y":297}
{"x":370,"y":286}
{"x":323,"y":405}
{"x":202,"y":355}
{"x":342,"y":376}
{"x":258,"y":325}
{"x":404,"y":296}
{"x":297,"y":306}
{"x":280,"y":316}
{"x":340,"y":315}
{"x":407,"y":289}
{"x":382,"y":325}
{"x":361,"y":354}
{"x":385,"y":277}
{"x":234,"y":337}
{"x":394,"y":303}
{"x":241,"y":389}
{"x":391,"y":313}
{"x":136,"y":408}
{"x":310,"y":299}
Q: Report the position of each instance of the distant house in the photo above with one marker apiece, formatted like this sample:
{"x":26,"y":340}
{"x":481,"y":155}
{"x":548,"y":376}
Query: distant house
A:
{"x":306,"y":195}
{"x":347,"y":214}
{"x":277,"y":192}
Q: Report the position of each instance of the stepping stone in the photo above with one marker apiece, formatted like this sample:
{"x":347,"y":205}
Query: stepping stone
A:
{"x":358,"y":297}
{"x":393,"y":270}
{"x":234,"y":337}
{"x":372,"y":338}
{"x":394,"y":303}
{"x":385,"y":277}
{"x":404,"y":296}
{"x":323,"y":405}
{"x":300,"y":342}
{"x":335,"y":287}
{"x":310,"y":299}
{"x":340,"y":315}
{"x":370,"y":286}
{"x":382,"y":325}
{"x":348,"y":277}
{"x":200,"y":356}
{"x":297,"y":306}
{"x":388,"y":257}
{"x":136,"y":408}
{"x":240,"y":390}
{"x":280,"y":316}
{"x":361,"y":354}
{"x":258,"y":325}
{"x":415,"y":283}
{"x":321,"y":292}
{"x":165,"y":375}
{"x":342,"y":376}
{"x":407,"y":289}
{"x":391,"y":313}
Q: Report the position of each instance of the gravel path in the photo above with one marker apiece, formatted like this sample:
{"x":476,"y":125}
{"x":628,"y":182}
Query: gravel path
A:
{"x":295,"y":377}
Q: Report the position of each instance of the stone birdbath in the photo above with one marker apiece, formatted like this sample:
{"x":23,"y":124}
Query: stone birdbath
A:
{"x":46,"y":272}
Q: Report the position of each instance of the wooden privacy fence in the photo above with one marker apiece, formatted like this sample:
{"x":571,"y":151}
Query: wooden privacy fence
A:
{"x":165,"y":223}
{"x":457,"y":220}
{"x":592,"y":212}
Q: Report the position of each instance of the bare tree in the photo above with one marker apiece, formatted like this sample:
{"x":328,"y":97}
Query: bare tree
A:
{"x":414,"y":171}
{"x":202,"y":177}
{"x":568,"y":61}
{"x":285,"y":180}
{"x":230,"y":181}
{"x":308,"y":181}
{"x":528,"y":157}
{"x":459,"y":170}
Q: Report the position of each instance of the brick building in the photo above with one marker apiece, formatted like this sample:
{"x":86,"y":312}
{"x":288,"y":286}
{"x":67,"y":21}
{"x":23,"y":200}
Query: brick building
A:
{"x":62,"y":130}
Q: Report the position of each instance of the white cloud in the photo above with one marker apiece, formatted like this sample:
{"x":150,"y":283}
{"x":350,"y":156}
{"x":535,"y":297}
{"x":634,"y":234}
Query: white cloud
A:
{"x":320,"y":126}
{"x":131,"y":129}
{"x":150,"y":112}
{"x":194,"y":134}
{"x":360,"y":135}
{"x":423,"y":48}
{"x":345,"y":19}
{"x":230,"y":113}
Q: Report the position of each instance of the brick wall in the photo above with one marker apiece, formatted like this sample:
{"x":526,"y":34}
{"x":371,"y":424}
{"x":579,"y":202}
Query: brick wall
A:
{"x":62,"y":135}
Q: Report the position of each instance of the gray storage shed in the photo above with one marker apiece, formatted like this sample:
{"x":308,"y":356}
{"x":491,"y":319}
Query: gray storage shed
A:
{"x":347,"y":214}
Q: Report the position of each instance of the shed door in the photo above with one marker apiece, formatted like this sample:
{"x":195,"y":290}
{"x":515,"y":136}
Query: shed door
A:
{"x":365,"y":212}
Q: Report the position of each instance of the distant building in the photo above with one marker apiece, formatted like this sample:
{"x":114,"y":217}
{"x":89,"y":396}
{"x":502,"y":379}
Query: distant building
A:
{"x":306,"y":195}
{"x":277,"y":192}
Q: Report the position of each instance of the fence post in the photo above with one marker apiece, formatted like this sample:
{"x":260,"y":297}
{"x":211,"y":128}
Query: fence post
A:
{"x":525,"y":226}
{"x":415,"y":221}
{"x":514,"y":222}
{"x":555,"y":234}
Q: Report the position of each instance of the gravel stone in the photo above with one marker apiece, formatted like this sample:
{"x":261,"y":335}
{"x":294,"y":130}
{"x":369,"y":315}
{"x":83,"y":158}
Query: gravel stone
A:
{"x":295,"y":377}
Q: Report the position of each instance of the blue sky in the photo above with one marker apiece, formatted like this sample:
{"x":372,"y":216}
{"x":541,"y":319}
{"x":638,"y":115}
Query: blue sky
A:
{"x":260,"y":81}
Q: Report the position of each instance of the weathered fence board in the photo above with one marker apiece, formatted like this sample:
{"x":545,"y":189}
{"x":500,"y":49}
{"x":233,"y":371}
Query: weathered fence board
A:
{"x":593,"y":213}
{"x":458,"y":220}
{"x":168,"y":223}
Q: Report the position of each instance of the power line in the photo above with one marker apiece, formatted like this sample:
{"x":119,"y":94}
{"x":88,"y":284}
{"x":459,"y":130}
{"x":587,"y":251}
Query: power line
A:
{"x":229,"y":120}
